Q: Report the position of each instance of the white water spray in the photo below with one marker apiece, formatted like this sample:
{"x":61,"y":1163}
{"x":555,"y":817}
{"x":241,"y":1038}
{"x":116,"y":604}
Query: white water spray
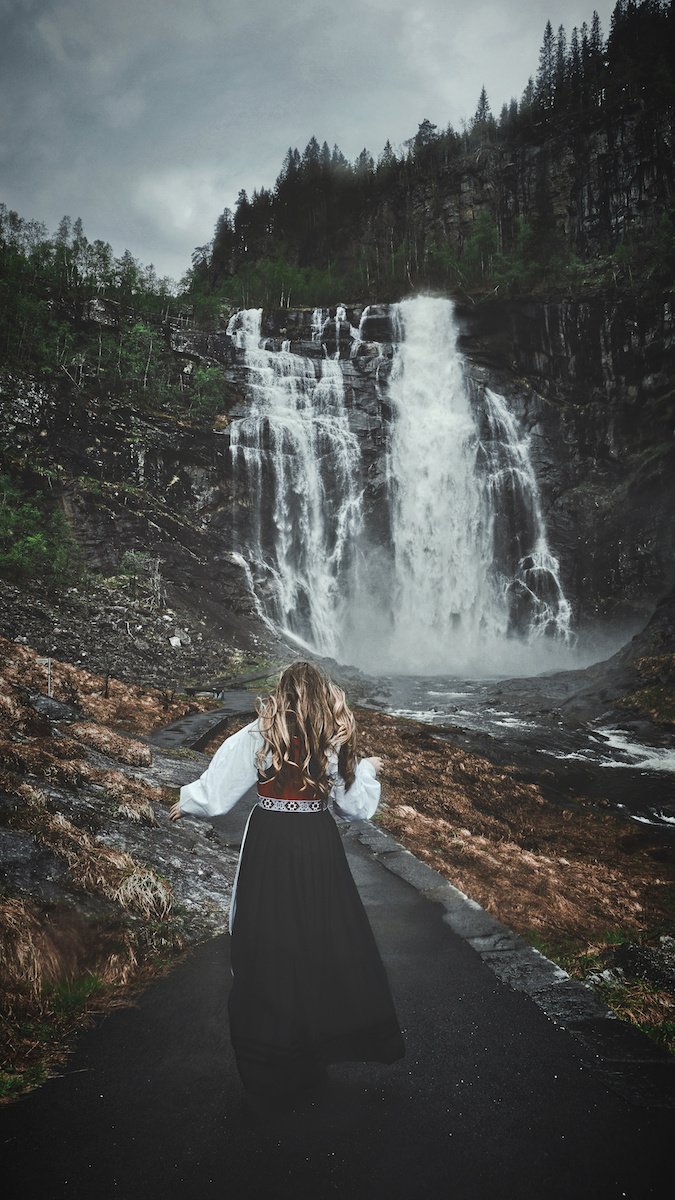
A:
{"x":473,"y":580}
{"x":299,"y":462}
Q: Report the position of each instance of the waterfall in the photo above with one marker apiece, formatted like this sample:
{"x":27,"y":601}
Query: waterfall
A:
{"x":528,"y":573}
{"x":299,"y":463}
{"x":459,"y":577}
{"x":318,"y":318}
{"x":443,"y":590}
{"x":473,"y":579}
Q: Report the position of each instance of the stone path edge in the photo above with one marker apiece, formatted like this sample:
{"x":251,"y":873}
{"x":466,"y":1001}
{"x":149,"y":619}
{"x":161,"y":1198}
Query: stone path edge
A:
{"x":628,"y":1061}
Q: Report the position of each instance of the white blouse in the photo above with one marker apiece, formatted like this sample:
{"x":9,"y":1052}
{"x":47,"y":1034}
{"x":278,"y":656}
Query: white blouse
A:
{"x":232,"y":771}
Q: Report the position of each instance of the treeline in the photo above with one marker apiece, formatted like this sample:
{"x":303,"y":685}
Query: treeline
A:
{"x":331,"y":228}
{"x":72,"y":313}
{"x":78,"y":321}
{"x":46,"y":282}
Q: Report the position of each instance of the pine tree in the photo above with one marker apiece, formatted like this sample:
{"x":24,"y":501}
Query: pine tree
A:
{"x":338,"y":160}
{"x":595,"y":66}
{"x":528,"y":96}
{"x":483,"y":113}
{"x":364,"y":164}
{"x":560,"y":75}
{"x":545,"y":84}
{"x":387,"y":158}
{"x":426,"y":134}
{"x":574,"y":67}
{"x":312,"y":156}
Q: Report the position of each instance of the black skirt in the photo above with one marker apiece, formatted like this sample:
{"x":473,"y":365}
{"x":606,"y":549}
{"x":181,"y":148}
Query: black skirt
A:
{"x":309,"y":985}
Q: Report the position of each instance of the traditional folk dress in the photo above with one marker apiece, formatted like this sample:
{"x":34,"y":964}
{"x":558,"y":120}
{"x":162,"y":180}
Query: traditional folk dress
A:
{"x":309,"y":986}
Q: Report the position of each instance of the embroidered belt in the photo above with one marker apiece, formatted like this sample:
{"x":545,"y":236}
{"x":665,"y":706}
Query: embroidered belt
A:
{"x":274,"y":805}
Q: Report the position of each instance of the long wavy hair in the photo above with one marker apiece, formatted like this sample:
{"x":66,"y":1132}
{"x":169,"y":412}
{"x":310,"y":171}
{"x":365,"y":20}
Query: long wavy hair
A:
{"x":307,"y":705}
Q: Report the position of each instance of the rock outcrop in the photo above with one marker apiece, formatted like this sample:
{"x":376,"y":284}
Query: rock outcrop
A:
{"x":590,"y":382}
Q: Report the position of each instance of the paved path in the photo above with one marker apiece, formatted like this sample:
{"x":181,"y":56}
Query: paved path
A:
{"x":493,"y":1101}
{"x":195,"y":729}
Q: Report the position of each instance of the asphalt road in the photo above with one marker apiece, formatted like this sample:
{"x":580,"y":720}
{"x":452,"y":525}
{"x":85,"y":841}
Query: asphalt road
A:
{"x":493,"y":1101}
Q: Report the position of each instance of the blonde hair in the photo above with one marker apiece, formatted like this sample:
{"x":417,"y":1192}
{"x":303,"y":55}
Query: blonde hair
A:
{"x":307,"y":705}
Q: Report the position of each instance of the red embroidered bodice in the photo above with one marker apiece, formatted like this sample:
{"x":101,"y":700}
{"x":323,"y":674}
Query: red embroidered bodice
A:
{"x":288,"y":784}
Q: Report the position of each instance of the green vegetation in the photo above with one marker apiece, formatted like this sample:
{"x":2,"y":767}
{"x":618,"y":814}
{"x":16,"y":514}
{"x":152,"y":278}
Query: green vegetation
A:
{"x":35,"y":539}
{"x":331,"y":229}
{"x":40,"y":1037}
{"x":654,"y":698}
{"x":73,"y":316}
{"x":14,"y":1083}
{"x":651,"y":1009}
{"x":206,"y":394}
{"x":71,"y":995}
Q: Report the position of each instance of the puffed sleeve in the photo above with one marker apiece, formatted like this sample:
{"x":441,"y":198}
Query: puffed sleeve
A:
{"x":231,"y":772}
{"x":361,"y":799}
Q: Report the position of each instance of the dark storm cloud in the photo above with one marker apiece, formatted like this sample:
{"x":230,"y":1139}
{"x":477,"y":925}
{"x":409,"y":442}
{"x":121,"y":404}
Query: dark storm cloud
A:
{"x":146,"y":117}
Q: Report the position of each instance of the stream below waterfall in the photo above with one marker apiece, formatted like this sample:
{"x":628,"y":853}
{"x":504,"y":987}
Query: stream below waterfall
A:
{"x":521,"y":721}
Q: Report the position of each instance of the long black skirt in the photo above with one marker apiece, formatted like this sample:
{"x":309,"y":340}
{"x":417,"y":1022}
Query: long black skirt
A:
{"x":309,"y":985}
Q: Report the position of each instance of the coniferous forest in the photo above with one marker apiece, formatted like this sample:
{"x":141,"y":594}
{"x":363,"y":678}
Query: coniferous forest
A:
{"x":483,"y":207}
{"x":570,"y":187}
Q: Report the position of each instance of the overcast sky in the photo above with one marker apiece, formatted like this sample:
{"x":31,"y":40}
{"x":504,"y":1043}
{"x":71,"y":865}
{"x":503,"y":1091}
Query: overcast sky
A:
{"x":146,"y":117}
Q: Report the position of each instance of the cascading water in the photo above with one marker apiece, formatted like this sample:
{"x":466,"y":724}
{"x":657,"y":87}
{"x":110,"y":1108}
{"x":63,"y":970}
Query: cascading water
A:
{"x":472,"y":575}
{"x":318,"y":318}
{"x":528,"y":574}
{"x":444,"y":593}
{"x":464,"y":579}
{"x":300,"y":465}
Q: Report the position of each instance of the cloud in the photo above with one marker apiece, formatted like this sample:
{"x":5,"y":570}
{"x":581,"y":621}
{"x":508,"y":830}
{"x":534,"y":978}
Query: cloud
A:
{"x":146,"y":117}
{"x":178,"y":197}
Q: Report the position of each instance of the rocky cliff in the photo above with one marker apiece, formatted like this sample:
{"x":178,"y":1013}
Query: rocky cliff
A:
{"x":146,"y":496}
{"x":591,"y":385}
{"x":586,"y":185}
{"x":589,"y":381}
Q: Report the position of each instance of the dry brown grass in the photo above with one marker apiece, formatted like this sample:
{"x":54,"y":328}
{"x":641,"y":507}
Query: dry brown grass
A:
{"x":29,"y":955}
{"x":92,"y":865}
{"x":536,"y":866}
{"x":134,"y":797}
{"x":102,"y":870}
{"x":56,"y":970}
{"x":45,"y":758}
{"x":100,"y":737}
{"x":56,"y":965}
{"x":105,"y":700}
{"x":41,"y":946}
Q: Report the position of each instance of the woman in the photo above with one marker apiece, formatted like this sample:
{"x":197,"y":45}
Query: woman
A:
{"x":309,"y":986}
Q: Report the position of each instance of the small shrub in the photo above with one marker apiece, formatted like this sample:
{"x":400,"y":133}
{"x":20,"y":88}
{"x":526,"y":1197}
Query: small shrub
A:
{"x":34,"y":542}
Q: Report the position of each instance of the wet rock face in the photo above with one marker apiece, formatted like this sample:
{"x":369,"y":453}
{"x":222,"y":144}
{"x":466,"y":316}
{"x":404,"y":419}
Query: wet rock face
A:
{"x":591,"y":383}
{"x":99,"y":311}
{"x":186,"y":853}
{"x":655,"y":964}
{"x":200,"y":345}
{"x":131,"y":481}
